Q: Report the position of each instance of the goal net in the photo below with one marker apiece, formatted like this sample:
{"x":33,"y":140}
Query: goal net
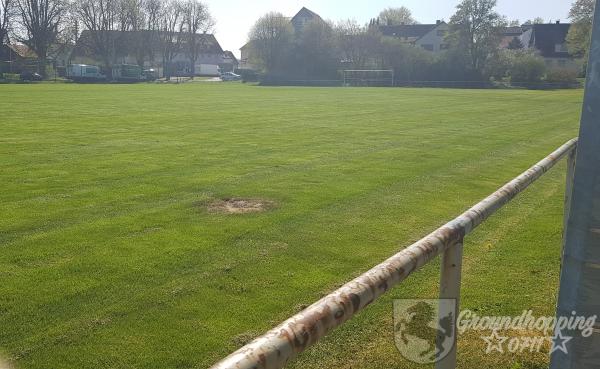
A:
{"x":369,"y":78}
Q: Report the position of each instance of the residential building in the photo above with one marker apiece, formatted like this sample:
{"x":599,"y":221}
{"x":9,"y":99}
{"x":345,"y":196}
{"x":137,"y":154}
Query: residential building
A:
{"x":245,"y":57}
{"x":144,"y":48}
{"x":303,"y":17}
{"x":17,"y":58}
{"x":59,"y":54}
{"x":230,"y":62}
{"x":511,"y":37}
{"x":299,"y":21}
{"x":550,"y":41}
{"x":430,"y":37}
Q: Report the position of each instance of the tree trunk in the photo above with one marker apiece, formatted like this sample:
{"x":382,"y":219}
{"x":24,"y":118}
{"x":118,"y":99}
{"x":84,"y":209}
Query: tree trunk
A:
{"x":107,"y":68}
{"x":42,"y":59}
{"x":167,"y":68}
{"x":140,"y":59}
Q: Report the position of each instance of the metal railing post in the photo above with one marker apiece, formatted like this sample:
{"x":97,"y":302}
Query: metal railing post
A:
{"x":579,"y":294}
{"x":450,"y":289}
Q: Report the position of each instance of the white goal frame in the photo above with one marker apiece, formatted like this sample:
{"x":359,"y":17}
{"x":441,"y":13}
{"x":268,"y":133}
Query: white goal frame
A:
{"x":369,"y":82}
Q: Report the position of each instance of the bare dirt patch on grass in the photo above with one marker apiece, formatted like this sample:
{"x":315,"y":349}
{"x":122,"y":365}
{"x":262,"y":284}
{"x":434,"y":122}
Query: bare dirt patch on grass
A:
{"x":4,"y":364}
{"x":240,"y":206}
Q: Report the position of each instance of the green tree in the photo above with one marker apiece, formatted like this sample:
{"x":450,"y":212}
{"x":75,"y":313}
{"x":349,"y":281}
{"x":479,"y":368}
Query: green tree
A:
{"x":408,"y":62}
{"x":315,"y":54}
{"x":475,"y":32}
{"x":271,"y":39}
{"x":561,"y":75}
{"x":527,"y":67}
{"x":499,"y":66}
{"x":580,"y":33}
{"x":582,"y":11}
{"x":537,"y":20}
{"x":396,"y":16}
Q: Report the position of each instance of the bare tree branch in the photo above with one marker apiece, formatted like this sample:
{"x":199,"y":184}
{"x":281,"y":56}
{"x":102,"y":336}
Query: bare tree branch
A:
{"x":7,"y":10}
{"x":197,"y":19}
{"x":171,"y":27}
{"x":41,"y":20}
{"x":100,"y":18}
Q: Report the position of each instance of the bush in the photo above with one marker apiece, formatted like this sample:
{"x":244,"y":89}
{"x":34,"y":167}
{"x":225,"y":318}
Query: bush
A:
{"x":527,"y":68}
{"x":562,"y":76}
{"x":10,"y":77}
{"x":409,"y":63}
{"x":248,"y":75}
{"x":498,"y":67}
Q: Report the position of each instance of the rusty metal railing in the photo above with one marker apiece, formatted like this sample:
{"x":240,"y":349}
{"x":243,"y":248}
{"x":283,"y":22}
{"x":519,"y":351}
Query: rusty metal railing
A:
{"x":275,"y":348}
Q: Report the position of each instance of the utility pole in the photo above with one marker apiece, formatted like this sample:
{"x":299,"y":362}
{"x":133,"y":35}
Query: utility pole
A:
{"x":580,"y":276}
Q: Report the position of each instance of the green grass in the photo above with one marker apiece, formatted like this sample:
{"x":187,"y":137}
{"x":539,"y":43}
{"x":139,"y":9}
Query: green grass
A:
{"x":110,"y":259}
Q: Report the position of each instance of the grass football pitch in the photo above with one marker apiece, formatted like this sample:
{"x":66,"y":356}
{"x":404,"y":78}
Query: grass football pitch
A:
{"x":113,"y":253}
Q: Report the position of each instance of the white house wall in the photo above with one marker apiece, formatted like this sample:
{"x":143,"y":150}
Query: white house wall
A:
{"x":434,"y":39}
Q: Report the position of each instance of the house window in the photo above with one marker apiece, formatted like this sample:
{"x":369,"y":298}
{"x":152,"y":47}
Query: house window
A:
{"x":561,"y":48}
{"x":428,"y":47}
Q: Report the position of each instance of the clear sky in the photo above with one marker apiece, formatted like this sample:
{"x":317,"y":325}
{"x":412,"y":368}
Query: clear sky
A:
{"x":235,"y":17}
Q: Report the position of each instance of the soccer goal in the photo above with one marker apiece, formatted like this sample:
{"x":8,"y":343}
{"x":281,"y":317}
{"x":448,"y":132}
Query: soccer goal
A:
{"x":369,"y":78}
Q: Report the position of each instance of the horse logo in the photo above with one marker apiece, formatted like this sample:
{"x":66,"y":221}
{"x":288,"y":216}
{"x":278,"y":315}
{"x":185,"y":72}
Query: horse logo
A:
{"x":424,"y":330}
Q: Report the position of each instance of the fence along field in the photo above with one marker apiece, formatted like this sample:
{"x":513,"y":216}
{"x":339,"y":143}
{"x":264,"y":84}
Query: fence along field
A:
{"x":275,"y":348}
{"x":111,"y":255}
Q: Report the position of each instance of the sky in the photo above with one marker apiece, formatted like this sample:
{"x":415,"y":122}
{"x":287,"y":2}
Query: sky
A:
{"x":236,"y":17}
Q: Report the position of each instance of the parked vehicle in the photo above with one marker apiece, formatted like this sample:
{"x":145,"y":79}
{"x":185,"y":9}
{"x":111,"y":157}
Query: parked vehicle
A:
{"x":230,"y":76}
{"x":248,"y":75}
{"x":128,"y":73}
{"x":29,"y":76}
{"x":208,"y":70}
{"x":84,"y":73}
